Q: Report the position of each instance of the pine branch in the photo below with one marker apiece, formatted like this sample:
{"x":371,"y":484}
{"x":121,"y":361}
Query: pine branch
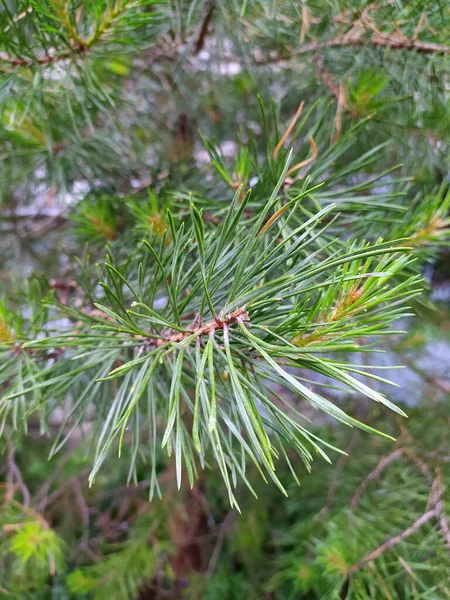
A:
{"x":203,"y":32}
{"x":392,"y":41}
{"x":434,"y":506}
{"x":439,"y":508}
{"x":107,"y":24}
{"x":239,"y":315}
{"x":78,"y":46}
{"x":46,"y":59}
{"x":15,"y":480}
{"x":383,"y":464}
{"x":377,"y":471}
{"x":325,"y":76}
{"x":391,"y":542}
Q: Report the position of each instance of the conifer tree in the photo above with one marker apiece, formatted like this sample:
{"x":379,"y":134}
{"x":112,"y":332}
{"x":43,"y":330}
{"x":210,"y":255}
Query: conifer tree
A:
{"x":215,"y":215}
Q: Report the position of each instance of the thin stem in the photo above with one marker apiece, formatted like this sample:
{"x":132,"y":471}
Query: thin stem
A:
{"x":238,"y":315}
{"x":391,"y":542}
{"x":380,"y":40}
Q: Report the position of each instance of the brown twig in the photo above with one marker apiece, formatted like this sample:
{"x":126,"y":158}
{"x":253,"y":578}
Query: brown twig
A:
{"x":46,"y":59}
{"x":381,"y":40}
{"x":434,"y":508}
{"x":239,"y":314}
{"x":442,"y":518}
{"x":374,"y":474}
{"x":60,"y":491}
{"x":383,"y":464}
{"x":420,"y":464}
{"x":391,"y":542}
{"x":224,"y":529}
{"x":434,"y":512}
{"x":15,"y":480}
{"x":324,"y":75}
{"x":43,"y":490}
{"x":200,"y":41}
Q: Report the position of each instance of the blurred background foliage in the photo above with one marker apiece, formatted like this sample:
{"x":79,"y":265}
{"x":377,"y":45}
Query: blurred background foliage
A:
{"x":112,"y":112}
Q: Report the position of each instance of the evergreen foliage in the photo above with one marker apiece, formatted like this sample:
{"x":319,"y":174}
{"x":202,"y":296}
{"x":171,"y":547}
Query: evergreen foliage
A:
{"x":207,"y":310}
